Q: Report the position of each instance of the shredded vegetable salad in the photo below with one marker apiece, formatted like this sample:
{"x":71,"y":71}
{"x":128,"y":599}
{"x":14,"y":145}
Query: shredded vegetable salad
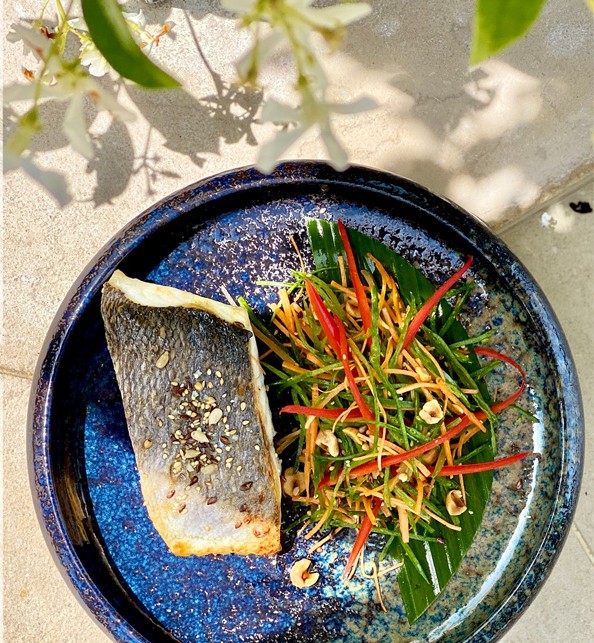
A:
{"x":385,"y":406}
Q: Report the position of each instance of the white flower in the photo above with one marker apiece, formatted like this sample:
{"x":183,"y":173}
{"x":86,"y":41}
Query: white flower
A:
{"x":312,"y":113}
{"x":93,"y":59}
{"x":295,"y":11}
{"x":34,"y":41}
{"x":71,"y":85}
{"x":251,"y":62}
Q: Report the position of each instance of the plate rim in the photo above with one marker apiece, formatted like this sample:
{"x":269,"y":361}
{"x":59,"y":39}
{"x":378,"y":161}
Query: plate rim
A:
{"x":217,"y":187}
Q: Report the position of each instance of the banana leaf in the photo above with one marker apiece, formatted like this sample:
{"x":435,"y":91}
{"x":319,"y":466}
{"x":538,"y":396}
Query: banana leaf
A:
{"x":438,"y":561}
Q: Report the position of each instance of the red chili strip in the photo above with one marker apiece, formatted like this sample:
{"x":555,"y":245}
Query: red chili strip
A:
{"x":371,"y":466}
{"x":343,"y":355}
{"x":457,"y":469}
{"x":428,"y":306}
{"x":362,"y":536}
{"x":362,"y":300}
{"x":324,"y":316}
{"x":331,"y":414}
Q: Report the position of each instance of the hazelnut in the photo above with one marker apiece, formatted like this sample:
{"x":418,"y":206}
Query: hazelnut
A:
{"x":329,"y":442}
{"x":300,"y":575}
{"x":431,"y":412}
{"x":293,"y":483}
{"x":454,"y":503}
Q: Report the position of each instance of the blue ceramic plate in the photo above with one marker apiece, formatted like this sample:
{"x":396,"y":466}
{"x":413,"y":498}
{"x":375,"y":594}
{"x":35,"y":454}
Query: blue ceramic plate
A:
{"x":233,"y":230}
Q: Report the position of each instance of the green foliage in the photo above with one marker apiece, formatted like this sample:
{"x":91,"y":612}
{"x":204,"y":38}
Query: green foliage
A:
{"x":112,"y":38}
{"x":498,"y":23}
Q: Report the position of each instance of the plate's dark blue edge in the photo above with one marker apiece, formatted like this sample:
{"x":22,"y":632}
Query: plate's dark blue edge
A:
{"x":451,"y":216}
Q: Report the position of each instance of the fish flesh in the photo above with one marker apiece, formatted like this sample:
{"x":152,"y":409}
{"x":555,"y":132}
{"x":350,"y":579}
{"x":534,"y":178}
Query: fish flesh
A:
{"x":198,"y":417}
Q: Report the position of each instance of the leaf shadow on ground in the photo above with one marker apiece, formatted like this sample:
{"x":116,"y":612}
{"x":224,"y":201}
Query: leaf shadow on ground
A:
{"x":503,"y":120}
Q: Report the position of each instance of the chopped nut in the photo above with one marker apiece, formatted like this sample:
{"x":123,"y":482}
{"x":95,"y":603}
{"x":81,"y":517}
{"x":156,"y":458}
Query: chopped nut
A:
{"x":454,"y":503}
{"x":301,"y":576}
{"x":430,"y":456}
{"x":293,"y":483}
{"x":431,"y":412}
{"x":353,"y":434}
{"x":329,"y":442}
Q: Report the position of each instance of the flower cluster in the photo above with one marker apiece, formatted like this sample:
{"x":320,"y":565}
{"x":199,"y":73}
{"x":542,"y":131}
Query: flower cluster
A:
{"x":292,"y":23}
{"x":70,"y":80}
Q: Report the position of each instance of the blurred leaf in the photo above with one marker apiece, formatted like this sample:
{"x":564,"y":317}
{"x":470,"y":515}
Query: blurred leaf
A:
{"x":497,"y":23}
{"x":112,"y":38}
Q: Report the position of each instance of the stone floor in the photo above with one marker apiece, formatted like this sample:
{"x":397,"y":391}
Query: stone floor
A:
{"x":505,"y":139}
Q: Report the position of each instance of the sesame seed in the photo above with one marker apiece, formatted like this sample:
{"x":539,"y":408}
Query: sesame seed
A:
{"x":215,"y":415}
{"x":210,"y":385}
{"x":228,"y":408}
{"x":242,"y":406}
{"x":209,"y":372}
{"x":165,"y":456}
{"x":218,"y":373}
{"x":222,"y":381}
{"x":245,"y":422}
{"x":171,"y":417}
{"x":257,"y":447}
{"x":163,"y":360}
{"x":148,"y":444}
{"x":164,"y":445}
{"x":239,"y":468}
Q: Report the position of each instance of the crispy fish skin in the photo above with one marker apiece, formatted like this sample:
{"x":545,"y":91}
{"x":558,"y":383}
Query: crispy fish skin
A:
{"x":198,"y":417}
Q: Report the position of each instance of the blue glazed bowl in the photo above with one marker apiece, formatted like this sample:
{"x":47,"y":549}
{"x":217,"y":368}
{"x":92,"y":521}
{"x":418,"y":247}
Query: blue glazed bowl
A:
{"x":233,"y":230}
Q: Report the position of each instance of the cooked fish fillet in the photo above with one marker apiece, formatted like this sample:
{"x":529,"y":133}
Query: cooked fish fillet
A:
{"x":198,"y":417}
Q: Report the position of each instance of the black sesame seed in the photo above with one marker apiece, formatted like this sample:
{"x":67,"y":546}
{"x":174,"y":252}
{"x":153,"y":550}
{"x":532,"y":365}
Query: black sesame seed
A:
{"x":246,"y":486}
{"x":243,"y":508}
{"x":211,"y":500}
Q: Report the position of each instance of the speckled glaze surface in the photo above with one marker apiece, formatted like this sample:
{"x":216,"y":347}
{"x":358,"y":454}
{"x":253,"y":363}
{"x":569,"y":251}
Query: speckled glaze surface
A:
{"x":233,"y":230}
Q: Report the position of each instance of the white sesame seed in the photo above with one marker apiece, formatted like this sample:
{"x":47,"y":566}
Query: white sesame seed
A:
{"x":242,"y":406}
{"x":163,"y":360}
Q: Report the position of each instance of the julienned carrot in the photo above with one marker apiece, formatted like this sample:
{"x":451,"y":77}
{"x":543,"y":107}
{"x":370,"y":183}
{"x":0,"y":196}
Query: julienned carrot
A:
{"x":330,"y":414}
{"x":362,"y":300}
{"x":477,"y":467}
{"x":343,"y":355}
{"x":427,"y":307}
{"x":324,"y":316}
{"x":362,"y":536}
{"x":369,"y":467}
